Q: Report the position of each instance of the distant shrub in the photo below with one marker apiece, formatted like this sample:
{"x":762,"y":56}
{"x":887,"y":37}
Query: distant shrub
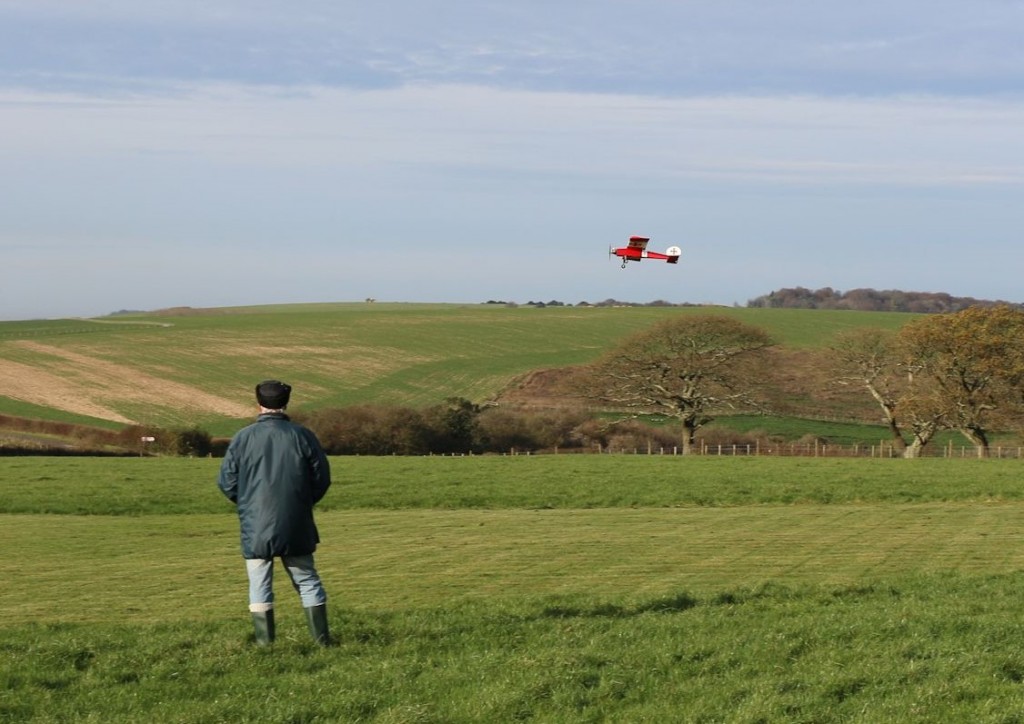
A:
{"x":58,"y":429}
{"x":189,"y":442}
{"x":219,"y":446}
{"x":452,"y":427}
{"x":869,"y":300}
{"x":456,"y":426}
{"x":504,"y":429}
{"x":368,"y":430}
{"x":133,"y":437}
{"x":628,"y":434}
{"x":635,"y":435}
{"x":501,"y":429}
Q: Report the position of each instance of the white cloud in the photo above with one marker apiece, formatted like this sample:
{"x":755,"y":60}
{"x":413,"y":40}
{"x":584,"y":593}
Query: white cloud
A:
{"x":434,"y":129}
{"x":654,"y":47}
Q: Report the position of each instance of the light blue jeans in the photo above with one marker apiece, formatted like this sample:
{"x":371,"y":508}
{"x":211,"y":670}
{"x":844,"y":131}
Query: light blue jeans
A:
{"x":302,"y":573}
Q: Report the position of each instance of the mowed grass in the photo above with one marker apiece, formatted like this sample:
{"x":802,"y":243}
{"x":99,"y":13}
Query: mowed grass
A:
{"x":337,"y":354}
{"x":555,"y":588}
{"x":169,"y":568}
{"x":177,"y":486}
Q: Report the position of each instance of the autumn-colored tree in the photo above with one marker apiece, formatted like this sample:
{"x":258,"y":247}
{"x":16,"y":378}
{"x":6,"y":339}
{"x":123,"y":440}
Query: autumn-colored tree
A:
{"x":687,"y":367}
{"x":872,"y":359}
{"x":973,"y":362}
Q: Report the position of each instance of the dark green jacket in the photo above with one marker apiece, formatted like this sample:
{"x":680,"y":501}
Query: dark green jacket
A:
{"x":275,"y":471}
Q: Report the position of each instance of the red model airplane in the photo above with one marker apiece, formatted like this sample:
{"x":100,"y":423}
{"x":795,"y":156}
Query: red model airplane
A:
{"x":637,"y":250}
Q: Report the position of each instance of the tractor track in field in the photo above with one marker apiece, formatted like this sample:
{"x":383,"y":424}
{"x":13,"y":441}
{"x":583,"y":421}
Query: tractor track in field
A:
{"x":89,"y":385}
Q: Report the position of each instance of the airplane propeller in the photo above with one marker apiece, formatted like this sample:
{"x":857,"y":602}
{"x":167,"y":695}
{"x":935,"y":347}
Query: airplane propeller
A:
{"x":611,"y":253}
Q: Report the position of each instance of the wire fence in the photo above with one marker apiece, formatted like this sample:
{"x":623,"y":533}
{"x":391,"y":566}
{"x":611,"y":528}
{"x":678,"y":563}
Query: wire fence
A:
{"x":820,"y":450}
{"x":883,"y":449}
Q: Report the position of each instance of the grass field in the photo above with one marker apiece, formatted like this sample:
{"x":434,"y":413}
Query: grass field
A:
{"x":198,"y":367}
{"x":555,"y":589}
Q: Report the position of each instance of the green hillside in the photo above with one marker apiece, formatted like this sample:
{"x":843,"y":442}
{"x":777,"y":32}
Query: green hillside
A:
{"x":198,"y":366}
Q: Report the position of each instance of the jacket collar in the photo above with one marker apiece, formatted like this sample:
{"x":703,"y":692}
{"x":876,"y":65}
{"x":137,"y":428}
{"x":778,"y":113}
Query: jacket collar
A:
{"x":272,"y":416}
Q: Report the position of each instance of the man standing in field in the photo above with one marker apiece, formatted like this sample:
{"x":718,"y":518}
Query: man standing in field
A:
{"x":275,"y":471}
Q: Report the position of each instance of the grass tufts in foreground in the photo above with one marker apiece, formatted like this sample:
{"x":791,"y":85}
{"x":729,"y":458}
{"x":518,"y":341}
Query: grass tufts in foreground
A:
{"x":925,"y":648}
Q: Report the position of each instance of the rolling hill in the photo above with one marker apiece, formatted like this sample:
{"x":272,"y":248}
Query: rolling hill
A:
{"x":198,"y":366}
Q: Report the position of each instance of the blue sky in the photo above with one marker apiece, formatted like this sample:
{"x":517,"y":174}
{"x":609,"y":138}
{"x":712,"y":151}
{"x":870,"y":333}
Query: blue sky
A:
{"x":204,"y":153}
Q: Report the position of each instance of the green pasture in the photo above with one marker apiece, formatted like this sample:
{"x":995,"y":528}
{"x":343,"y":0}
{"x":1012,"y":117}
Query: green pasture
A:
{"x":849,"y":434}
{"x":563,"y":588}
{"x":185,"y":486}
{"x":20,"y":408}
{"x":342,"y":354}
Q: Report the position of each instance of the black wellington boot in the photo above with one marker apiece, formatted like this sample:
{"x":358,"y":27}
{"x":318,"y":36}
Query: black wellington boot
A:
{"x":263,"y":624}
{"x":316,"y":617}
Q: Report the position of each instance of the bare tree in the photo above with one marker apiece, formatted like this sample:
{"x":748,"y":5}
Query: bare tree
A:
{"x":688,"y":367}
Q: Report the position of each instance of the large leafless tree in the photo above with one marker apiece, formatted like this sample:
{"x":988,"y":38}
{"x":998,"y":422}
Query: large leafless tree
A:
{"x":688,"y":367}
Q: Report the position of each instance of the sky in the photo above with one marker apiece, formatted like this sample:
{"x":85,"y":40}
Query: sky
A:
{"x":212,"y":153}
